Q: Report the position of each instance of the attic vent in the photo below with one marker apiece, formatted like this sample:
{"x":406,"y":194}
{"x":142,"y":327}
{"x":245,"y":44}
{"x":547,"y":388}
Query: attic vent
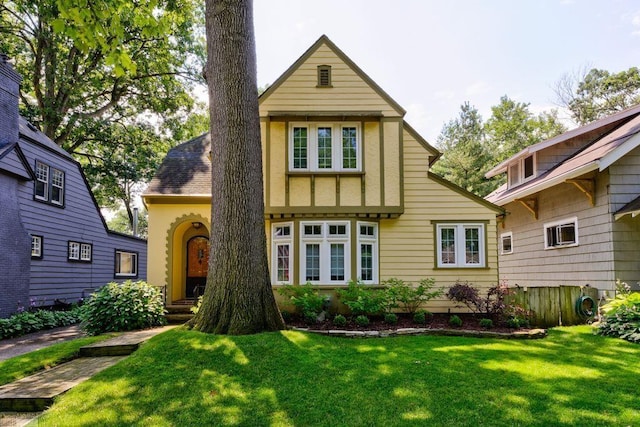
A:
{"x":324,"y":76}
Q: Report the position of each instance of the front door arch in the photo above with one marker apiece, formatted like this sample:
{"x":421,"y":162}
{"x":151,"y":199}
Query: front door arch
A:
{"x":197,"y":265}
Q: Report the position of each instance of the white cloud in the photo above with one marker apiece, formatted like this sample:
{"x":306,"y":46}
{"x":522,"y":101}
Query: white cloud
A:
{"x":635,"y":23}
{"x":478,"y":88}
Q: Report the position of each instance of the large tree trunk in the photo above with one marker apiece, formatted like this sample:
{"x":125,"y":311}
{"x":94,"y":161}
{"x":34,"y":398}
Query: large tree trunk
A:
{"x":238,"y":298}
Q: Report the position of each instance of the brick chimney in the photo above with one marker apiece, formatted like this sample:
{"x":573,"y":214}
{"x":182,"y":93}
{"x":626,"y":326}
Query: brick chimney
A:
{"x":9,"y":97}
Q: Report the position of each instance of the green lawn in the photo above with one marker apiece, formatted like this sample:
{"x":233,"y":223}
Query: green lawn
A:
{"x":21,"y":366}
{"x":185,"y":378}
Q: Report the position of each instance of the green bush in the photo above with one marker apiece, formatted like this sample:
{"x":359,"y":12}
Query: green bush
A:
{"x":361,"y":299}
{"x":286,"y":316}
{"x":455,"y":321}
{"x":340,"y":320}
{"x":391,"y":318}
{"x":514,"y":322}
{"x":621,"y":316}
{"x":486,"y":323}
{"x":305,"y":298}
{"x":33,"y":321}
{"x":410,"y":298}
{"x":422,"y":316}
{"x":123,"y":307}
{"x":362,"y":320}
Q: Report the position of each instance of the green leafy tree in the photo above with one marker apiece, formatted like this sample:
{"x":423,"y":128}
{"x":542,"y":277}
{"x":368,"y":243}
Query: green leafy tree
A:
{"x":598,"y":93}
{"x":465,"y":156}
{"x":238,"y":298}
{"x":120,"y":223}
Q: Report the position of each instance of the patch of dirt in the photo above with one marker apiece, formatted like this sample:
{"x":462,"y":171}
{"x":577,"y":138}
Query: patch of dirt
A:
{"x":377,"y":323}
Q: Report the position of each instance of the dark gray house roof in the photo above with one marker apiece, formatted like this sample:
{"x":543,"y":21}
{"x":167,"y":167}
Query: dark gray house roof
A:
{"x":185,"y":170}
{"x":632,"y":208}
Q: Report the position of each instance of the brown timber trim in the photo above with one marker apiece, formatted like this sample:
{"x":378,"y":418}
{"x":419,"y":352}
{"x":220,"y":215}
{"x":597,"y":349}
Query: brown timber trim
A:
{"x":372,"y":212}
{"x":177,"y":200}
{"x":322,"y":174}
{"x":267,"y":148}
{"x":401,"y":162}
{"x":337,"y":190}
{"x":325,"y":116}
{"x":286,"y":162}
{"x":381,"y":148}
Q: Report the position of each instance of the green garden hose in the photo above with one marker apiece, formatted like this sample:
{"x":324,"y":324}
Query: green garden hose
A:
{"x":586,"y":306}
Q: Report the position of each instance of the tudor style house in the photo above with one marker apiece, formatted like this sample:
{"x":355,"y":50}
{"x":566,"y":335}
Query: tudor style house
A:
{"x":348,"y":193}
{"x":54,"y":243}
{"x":571,"y":207}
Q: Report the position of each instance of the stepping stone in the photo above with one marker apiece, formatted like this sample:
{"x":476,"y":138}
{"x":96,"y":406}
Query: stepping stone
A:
{"x":36,"y":392}
{"x":122,"y":345}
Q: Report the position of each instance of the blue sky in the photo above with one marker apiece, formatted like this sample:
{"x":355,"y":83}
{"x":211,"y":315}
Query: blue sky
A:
{"x":431,"y":56}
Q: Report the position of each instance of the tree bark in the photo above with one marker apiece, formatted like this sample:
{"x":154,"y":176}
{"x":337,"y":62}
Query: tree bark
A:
{"x":239,"y":297}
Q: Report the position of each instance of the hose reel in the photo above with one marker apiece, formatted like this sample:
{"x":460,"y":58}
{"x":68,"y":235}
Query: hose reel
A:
{"x":586,"y":306}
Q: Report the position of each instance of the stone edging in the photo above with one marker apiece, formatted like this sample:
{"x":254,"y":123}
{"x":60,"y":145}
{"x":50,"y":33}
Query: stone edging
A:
{"x":528,"y":334}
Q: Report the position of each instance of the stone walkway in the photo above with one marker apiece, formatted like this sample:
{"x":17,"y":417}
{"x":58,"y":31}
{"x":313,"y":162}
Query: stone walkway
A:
{"x":27,"y":343}
{"x":21,"y":401}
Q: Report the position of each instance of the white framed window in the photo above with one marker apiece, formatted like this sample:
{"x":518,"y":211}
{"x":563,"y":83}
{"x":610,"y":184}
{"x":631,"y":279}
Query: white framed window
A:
{"x":49,"y":184}
{"x":562,"y":233}
{"x":282,"y":252}
{"x":506,"y":243}
{"x":126,"y":264}
{"x":460,"y":245}
{"x":324,"y":147}
{"x":368,"y":252}
{"x":325,"y":250}
{"x":41,"y":190}
{"x":78,"y":251}
{"x":522,"y":170}
{"x":36,"y":247}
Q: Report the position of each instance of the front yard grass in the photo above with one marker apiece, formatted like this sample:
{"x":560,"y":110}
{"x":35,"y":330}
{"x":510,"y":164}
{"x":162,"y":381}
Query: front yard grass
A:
{"x":186,"y":378}
{"x":48,"y":357}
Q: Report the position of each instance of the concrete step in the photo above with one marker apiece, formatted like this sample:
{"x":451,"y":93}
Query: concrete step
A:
{"x":36,"y":392}
{"x":178,"y":318}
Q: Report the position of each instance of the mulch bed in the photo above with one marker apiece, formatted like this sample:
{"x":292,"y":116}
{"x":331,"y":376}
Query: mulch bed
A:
{"x":438,"y":321}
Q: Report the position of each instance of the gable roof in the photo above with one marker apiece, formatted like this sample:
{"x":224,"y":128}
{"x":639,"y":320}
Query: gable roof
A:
{"x":186,"y":170}
{"x":594,"y":129}
{"x":14,"y":162}
{"x":597,"y":155}
{"x":324,"y":40}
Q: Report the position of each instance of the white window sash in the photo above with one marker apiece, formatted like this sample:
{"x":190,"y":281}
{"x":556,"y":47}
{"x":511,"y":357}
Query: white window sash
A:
{"x":368,"y":240}
{"x":324,"y":241}
{"x":313,"y":149}
{"x":460,"y":245}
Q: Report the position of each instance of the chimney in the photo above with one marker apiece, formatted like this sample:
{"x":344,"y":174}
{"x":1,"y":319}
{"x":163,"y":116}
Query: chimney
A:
{"x":9,"y":96}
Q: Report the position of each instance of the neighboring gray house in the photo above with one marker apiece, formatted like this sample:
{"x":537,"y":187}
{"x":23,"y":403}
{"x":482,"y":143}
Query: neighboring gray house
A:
{"x":54,"y":243}
{"x":572,"y":205}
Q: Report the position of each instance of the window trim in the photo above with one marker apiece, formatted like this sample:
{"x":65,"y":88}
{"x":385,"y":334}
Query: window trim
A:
{"x":40,"y":239}
{"x":133,"y":275}
{"x":565,"y":221}
{"x":79,"y":257}
{"x":508,"y":234}
{"x":49,"y":185}
{"x":325,"y":240}
{"x":519,"y":165}
{"x":337,"y":146}
{"x":374,"y":241}
{"x":460,"y":243}
{"x":281,"y":241}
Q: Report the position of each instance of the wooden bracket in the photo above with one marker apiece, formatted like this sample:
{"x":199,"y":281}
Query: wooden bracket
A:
{"x":588,"y":188}
{"x":531,"y":204}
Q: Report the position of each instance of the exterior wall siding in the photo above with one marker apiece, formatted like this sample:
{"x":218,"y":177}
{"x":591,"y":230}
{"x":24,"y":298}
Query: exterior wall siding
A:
{"x":591,"y":262}
{"x":625,"y":187}
{"x":53,"y":276}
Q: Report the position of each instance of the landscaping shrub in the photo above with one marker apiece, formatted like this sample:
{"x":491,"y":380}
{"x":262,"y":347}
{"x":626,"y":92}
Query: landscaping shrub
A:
{"x":340,"y":320}
{"x":410,"y":298}
{"x":33,"y":321}
{"x":455,"y":321}
{"x":621,"y":315}
{"x":422,"y":316}
{"x":362,"y":320}
{"x":123,"y":307}
{"x":306,"y":299}
{"x":464,"y":293}
{"x":361,"y":299}
{"x":391,"y":318}
{"x":496,"y":304}
{"x":486,"y":323}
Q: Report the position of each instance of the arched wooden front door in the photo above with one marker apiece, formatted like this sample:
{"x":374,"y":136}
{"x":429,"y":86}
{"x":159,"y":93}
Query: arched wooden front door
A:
{"x":197,"y":265}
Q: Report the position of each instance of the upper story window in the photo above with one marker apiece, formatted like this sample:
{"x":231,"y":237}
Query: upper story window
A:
{"x":324,"y":76}
{"x":319,"y":147}
{"x":522,"y":170}
{"x":36,"y":246}
{"x":49,"y":184}
{"x":461,"y":245}
{"x":562,"y":233}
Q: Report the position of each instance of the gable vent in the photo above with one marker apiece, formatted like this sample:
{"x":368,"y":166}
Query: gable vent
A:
{"x":324,"y":76}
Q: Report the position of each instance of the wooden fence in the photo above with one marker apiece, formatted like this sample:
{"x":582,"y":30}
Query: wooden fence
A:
{"x":553,"y":306}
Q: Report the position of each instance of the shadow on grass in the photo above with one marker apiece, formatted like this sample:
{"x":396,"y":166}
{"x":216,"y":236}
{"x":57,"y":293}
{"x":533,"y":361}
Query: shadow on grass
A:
{"x":292,"y":378}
